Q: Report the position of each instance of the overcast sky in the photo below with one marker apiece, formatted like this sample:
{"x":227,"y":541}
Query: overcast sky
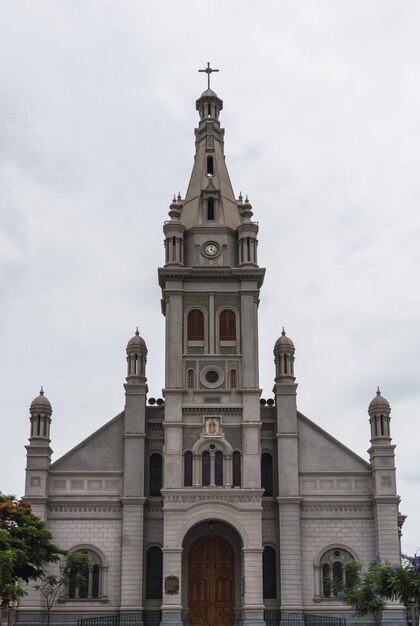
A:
{"x":321,"y":111}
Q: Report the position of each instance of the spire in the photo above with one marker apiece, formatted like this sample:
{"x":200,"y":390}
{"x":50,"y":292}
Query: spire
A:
{"x":209,"y":199}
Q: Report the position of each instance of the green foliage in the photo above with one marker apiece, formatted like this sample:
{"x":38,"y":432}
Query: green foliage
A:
{"x":368,"y":592}
{"x":25,"y":547}
{"x":77,"y":564}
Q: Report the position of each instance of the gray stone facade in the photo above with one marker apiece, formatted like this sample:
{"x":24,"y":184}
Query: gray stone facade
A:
{"x":218,"y":445}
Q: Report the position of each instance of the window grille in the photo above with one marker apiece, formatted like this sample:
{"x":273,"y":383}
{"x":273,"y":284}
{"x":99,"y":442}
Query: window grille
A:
{"x":333,"y":571}
{"x":267,"y":474}
{"x":90,"y":586}
{"x":195,"y":325}
{"x":155,"y":474}
{"x":236,"y":463}
{"x":205,"y":469}
{"x":154,"y":572}
{"x":233,"y":379}
{"x":210,"y":209}
{"x":227,"y":325}
{"x":269,"y":573}
{"x":190,"y":379}
{"x":188,"y":469}
{"x":218,"y":468}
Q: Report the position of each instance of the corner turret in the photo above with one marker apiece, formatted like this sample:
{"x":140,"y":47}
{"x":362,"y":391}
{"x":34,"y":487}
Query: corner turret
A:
{"x":385,"y":500}
{"x":38,"y":454}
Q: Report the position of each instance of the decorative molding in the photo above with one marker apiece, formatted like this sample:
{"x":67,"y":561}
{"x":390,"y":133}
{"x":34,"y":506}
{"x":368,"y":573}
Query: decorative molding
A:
{"x":84,"y":508}
{"x":205,"y":495}
{"x":208,"y":410}
{"x":155,"y":426}
{"x":334,"y":508}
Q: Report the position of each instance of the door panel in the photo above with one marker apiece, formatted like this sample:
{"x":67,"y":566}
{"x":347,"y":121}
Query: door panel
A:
{"x":211,"y":582}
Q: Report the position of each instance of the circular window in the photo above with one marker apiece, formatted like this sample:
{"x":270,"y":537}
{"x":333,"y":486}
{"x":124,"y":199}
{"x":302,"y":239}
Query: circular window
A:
{"x":212,"y":376}
{"x":212,"y":447}
{"x":336,"y":553}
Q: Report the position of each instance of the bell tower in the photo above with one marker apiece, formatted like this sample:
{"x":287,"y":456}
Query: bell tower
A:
{"x":210,"y":284}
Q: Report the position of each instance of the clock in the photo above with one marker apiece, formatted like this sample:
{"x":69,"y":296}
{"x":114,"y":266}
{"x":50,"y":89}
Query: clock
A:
{"x":211,"y":248}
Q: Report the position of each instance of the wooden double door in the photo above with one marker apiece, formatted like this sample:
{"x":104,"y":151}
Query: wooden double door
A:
{"x":211,"y":582}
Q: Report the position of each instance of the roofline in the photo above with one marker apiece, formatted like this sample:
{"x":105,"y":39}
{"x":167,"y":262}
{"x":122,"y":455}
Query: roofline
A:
{"x":80,"y":445}
{"x":333,"y":440}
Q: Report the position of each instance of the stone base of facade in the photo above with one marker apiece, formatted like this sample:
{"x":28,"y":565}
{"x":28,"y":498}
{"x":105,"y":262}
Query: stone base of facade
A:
{"x":173,"y":618}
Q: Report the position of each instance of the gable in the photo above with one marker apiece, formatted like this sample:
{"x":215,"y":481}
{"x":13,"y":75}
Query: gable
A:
{"x":320,"y":452}
{"x":101,"y":451}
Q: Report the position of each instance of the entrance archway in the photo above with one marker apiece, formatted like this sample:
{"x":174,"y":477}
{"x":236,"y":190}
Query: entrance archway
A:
{"x":211,"y":582}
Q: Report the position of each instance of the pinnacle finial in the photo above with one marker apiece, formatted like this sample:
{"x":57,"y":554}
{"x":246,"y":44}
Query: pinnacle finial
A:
{"x":246,"y":199}
{"x":208,"y":71}
{"x":174,"y":198}
{"x":378,"y":391}
{"x":137,"y":331}
{"x":41,"y":391}
{"x":179,"y":196}
{"x":241,"y":198}
{"x":283,"y":332}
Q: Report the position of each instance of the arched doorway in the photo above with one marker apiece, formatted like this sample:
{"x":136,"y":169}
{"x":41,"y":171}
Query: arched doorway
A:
{"x":211,"y":582}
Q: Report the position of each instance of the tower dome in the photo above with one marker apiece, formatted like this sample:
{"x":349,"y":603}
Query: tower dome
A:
{"x":136,"y":357}
{"x":284,"y":351}
{"x":379,"y":404}
{"x":284,"y":342}
{"x":41,"y":404}
{"x":137,"y":342}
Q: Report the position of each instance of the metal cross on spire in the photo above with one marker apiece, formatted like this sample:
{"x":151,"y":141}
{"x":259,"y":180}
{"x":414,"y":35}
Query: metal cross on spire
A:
{"x":208,"y":71}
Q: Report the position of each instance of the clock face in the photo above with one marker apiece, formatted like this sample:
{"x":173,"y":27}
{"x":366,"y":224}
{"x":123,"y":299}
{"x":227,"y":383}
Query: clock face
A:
{"x":211,"y":249}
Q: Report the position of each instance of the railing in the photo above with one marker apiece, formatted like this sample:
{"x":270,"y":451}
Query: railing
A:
{"x":153,"y":618}
{"x":147,"y":618}
{"x":283,"y":618}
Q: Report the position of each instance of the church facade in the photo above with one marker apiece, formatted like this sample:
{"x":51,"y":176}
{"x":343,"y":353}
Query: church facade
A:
{"x":212,"y":506}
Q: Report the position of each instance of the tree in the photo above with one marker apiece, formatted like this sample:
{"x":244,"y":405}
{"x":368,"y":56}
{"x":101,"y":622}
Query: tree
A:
{"x":368,"y":592}
{"x":77,"y":564}
{"x":25,"y":547}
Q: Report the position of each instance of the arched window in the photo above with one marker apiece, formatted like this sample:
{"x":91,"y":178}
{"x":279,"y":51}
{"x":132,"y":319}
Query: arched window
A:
{"x":334,"y":571}
{"x":154,"y":572}
{"x":218,"y":468}
{"x":188,"y":468}
{"x":190,"y":379}
{"x":269,"y":573}
{"x":155,"y":474}
{"x":233,"y":379}
{"x":210,"y":165}
{"x":210,"y":209}
{"x":205,"y":468}
{"x":227,"y":325}
{"x":91,"y":587}
{"x":236,"y":468}
{"x":267,"y":474}
{"x":195,"y":324}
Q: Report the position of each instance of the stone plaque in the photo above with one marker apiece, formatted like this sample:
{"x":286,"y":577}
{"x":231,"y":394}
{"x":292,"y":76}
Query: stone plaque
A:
{"x":171,"y":585}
